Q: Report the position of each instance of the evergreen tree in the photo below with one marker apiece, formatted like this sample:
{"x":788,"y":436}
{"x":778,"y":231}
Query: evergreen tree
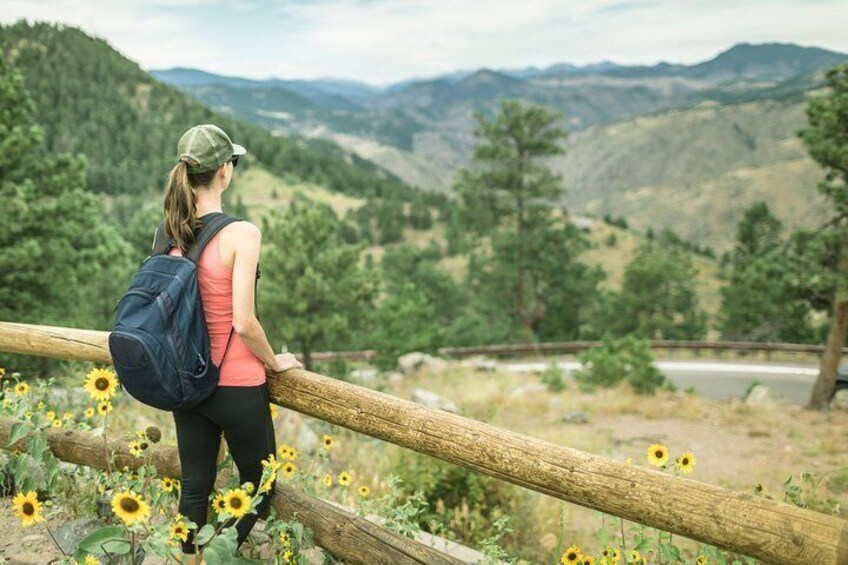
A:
{"x":762,"y":302}
{"x":509,"y":196}
{"x":61,"y":262}
{"x":316,"y":292}
{"x":826,"y":140}
{"x":658,"y":298}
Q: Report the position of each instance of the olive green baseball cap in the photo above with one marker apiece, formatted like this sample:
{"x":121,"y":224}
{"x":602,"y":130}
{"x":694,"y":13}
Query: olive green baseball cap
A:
{"x":209,"y":145}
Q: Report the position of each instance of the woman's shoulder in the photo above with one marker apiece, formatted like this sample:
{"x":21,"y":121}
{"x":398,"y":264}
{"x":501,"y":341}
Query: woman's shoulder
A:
{"x":243,"y":228}
{"x":241,"y":234}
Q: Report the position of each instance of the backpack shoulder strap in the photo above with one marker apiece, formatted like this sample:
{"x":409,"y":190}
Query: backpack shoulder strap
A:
{"x":208,"y":229}
{"x":161,"y":242}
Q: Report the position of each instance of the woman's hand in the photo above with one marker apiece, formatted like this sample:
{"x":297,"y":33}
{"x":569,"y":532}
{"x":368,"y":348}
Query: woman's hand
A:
{"x":284,"y":362}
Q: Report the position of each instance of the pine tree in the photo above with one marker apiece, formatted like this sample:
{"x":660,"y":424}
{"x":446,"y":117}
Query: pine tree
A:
{"x":61,"y":263}
{"x":316,"y":292}
{"x":510,"y":196}
{"x":826,"y":140}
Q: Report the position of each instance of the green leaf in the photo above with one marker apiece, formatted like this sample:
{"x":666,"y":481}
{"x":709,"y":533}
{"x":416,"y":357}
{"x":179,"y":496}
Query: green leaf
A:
{"x":39,"y":446}
{"x":212,"y":557}
{"x":670,"y":551}
{"x":52,"y":470}
{"x":205,"y":534}
{"x":18,"y":431}
{"x":111,"y":538}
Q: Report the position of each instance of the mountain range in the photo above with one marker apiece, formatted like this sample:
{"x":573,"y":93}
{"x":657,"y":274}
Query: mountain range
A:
{"x":711,"y":137}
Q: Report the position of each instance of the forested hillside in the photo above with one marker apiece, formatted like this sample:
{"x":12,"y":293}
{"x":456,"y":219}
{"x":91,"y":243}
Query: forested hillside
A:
{"x":92,"y":100}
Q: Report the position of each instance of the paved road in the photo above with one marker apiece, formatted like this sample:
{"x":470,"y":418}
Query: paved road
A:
{"x":719,"y":379}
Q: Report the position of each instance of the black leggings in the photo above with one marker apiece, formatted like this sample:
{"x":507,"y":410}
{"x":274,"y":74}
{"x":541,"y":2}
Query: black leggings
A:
{"x":242,"y":413}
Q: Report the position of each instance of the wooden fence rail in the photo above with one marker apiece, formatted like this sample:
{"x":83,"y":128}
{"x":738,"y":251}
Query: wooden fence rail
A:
{"x":764,"y":529}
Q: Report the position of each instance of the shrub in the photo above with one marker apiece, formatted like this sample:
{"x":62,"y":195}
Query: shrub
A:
{"x":552,"y":378}
{"x":627,"y":359}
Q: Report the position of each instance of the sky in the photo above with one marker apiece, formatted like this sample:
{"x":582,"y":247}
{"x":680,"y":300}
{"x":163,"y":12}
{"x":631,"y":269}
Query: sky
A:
{"x":386,"y":41}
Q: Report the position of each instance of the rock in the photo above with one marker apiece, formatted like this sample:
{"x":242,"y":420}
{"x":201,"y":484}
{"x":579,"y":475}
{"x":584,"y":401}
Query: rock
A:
{"x":32,"y":538}
{"x":575,"y":418}
{"x":762,"y":395}
{"x":367,"y":375}
{"x":840,"y":400}
{"x":433,"y":400}
{"x":480,"y":363}
{"x":412,"y":362}
{"x":70,"y":534}
{"x":529,"y":388}
{"x":26,"y":558}
{"x":394,"y":378}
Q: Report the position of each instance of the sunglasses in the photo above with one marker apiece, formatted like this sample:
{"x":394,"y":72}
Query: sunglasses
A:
{"x":235,"y":160}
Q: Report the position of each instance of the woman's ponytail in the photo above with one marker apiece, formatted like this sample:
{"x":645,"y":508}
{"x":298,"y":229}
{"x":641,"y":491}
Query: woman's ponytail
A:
{"x":181,"y":203}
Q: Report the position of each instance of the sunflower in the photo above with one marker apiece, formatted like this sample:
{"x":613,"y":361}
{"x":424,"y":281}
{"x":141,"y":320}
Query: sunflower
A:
{"x":571,"y":555}
{"x":287,"y":556}
{"x":634,"y":557}
{"x":2,"y":372}
{"x":6,"y":403}
{"x":51,"y":415}
{"x":657,"y":455}
{"x":328,"y":442}
{"x":273,"y":411}
{"x":130,"y":507}
{"x":284,"y":538}
{"x":168,"y":484}
{"x":237,"y":502}
{"x":248,"y":487}
{"x":21,"y":389}
{"x":135,"y":448}
{"x":104,"y":407}
{"x":179,"y":531}
{"x":686,"y":462}
{"x":328,"y":480}
{"x":28,"y":508}
{"x":287,"y":452}
{"x":57,"y":423}
{"x":587,"y":560}
{"x":344,"y":478}
{"x":101,"y":384}
{"x":89,"y":412}
{"x":702,"y":560}
{"x":219,"y":504}
{"x":68,"y":416}
{"x":616,"y":554}
{"x":364,"y":491}
{"x":91,"y":560}
{"x":269,"y":482}
{"x":272,"y":462}
{"x":289,"y":469}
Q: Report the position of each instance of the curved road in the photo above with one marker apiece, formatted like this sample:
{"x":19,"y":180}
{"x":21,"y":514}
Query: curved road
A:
{"x":717,"y":379}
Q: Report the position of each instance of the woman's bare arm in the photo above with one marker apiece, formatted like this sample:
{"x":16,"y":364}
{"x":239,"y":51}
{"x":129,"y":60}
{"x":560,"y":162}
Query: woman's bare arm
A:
{"x":245,"y":323}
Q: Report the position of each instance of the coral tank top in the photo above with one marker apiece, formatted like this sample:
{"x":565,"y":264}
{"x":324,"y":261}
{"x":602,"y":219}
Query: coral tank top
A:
{"x":241,"y":367}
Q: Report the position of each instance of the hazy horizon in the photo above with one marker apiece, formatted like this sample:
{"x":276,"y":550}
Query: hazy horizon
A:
{"x":382,"y":42}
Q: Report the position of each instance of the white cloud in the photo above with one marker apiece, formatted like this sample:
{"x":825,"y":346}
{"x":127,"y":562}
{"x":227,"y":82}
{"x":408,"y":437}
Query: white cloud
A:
{"x":382,"y":41}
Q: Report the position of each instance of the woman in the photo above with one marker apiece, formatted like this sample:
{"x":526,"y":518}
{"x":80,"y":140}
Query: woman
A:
{"x":239,"y":407}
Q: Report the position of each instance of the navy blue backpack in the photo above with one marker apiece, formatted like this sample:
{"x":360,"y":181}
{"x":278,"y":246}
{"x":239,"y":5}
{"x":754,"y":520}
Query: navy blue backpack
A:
{"x":160,"y":343}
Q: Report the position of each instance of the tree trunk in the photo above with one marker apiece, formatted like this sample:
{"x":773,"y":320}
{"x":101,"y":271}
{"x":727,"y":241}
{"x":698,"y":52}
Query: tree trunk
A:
{"x":826,"y":380}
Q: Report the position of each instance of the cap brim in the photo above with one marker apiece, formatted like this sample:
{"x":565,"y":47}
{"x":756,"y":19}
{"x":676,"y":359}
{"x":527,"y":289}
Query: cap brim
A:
{"x":238,"y":149}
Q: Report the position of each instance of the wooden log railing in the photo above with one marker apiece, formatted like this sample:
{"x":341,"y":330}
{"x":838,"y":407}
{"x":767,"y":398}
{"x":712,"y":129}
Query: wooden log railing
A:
{"x":347,"y":536}
{"x":764,"y":529}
